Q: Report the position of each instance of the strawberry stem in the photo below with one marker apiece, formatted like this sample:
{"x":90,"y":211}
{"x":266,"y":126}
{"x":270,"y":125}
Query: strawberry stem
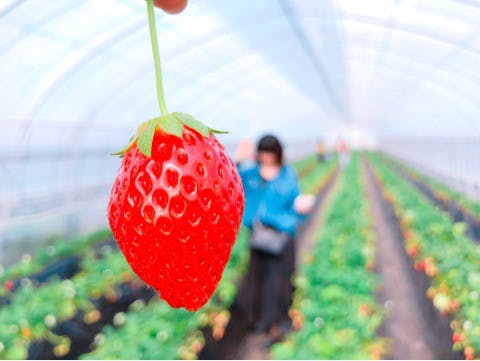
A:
{"x":156,"y":57}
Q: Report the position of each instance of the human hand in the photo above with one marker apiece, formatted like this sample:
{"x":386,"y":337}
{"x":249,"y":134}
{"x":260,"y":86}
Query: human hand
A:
{"x":303,"y":204}
{"x":171,"y":6}
{"x":245,"y":151}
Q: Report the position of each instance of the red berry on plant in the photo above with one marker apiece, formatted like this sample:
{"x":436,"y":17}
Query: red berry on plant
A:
{"x":469,"y":353}
{"x":457,"y":337}
{"x":9,"y":285}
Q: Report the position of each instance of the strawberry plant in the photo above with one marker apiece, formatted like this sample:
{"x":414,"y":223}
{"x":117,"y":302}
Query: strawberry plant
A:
{"x":335,"y":314}
{"x":441,"y":191}
{"x":439,"y":248}
{"x":312,"y":181}
{"x":306,"y":165}
{"x":38,"y":310}
{"x":51,"y":252}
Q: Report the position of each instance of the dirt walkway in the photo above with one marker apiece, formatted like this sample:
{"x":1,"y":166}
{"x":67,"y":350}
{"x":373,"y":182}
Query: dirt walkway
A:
{"x":405,"y":324}
{"x":255,"y":347}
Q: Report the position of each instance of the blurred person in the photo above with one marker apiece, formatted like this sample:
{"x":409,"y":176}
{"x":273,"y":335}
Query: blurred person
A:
{"x":321,"y":151}
{"x":274,"y":208}
{"x":343,"y":153}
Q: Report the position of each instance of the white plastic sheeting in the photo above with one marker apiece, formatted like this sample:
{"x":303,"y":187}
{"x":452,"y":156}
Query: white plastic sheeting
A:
{"x":76,"y":77}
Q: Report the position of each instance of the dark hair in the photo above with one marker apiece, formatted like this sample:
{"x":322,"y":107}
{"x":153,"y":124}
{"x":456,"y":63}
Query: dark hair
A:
{"x":270,"y":143}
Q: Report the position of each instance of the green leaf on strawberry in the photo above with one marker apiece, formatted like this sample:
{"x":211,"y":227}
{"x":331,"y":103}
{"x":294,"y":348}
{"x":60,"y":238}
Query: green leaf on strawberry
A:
{"x":145,"y":138}
{"x":193,"y":123}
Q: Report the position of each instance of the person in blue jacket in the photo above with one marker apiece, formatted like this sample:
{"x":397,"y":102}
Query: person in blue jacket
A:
{"x":272,"y":197}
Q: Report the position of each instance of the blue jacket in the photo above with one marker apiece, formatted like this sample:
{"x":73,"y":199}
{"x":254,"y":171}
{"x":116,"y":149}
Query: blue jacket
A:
{"x":271,"y":202}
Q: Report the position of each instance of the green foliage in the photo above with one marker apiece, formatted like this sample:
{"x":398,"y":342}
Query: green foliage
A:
{"x":440,"y":190}
{"x":51,"y":252}
{"x":39,"y":309}
{"x":335,"y":284}
{"x":444,"y":244}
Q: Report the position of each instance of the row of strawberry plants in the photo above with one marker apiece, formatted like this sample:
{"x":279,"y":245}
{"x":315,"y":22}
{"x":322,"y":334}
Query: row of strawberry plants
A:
{"x":335,"y":313}
{"x":304,"y":163}
{"x":439,"y":248}
{"x":440,"y":190}
{"x":316,"y":179}
{"x":139,"y":334}
{"x":34,"y":312}
{"x":29,"y":265}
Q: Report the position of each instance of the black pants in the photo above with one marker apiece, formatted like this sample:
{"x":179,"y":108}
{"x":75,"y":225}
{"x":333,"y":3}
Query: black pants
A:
{"x":268,"y":290}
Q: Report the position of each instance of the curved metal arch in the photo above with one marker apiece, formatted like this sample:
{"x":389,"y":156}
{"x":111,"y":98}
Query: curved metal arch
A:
{"x":228,"y":90}
{"x":150,"y":99}
{"x":363,"y":46}
{"x":67,"y":6}
{"x":233,"y":88}
{"x":340,"y":105}
{"x":7,"y":8}
{"x":100,"y":46}
{"x":442,"y":85}
{"x":409,"y":29}
{"x":443,"y":95}
{"x":132,"y":80}
{"x":398,"y":73}
{"x":186,"y":50}
{"x":136,"y":26}
{"x":468,"y":79}
{"x":261,"y":24}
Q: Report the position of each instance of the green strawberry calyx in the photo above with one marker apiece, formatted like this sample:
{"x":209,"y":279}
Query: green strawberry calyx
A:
{"x":172,"y":124}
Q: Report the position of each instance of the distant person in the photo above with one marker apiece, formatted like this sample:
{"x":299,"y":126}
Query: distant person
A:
{"x":273,"y":210}
{"x":343,"y":153}
{"x":321,"y":151}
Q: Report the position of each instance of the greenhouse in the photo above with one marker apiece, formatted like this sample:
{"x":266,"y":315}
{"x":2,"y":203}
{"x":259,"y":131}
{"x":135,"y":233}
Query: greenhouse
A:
{"x":275,"y":179}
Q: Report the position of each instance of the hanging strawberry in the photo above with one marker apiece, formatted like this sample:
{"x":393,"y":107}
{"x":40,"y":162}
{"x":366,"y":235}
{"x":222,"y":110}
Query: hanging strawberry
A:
{"x":176,"y":204}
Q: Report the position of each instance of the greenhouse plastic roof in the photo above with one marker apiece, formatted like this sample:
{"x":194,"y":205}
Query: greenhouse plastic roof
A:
{"x":77,"y":78}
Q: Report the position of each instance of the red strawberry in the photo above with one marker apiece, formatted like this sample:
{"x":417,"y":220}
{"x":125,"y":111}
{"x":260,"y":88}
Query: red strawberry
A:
{"x":457,"y":337}
{"x":469,"y":353}
{"x":176,"y":207}
{"x":9,"y":285}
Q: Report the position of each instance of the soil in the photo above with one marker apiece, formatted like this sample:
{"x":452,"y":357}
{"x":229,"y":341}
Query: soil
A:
{"x":416,"y":329}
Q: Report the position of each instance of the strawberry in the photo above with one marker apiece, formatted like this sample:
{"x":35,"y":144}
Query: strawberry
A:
{"x":9,"y":285}
{"x":177,"y":202}
{"x":176,"y":207}
{"x":364,"y":310}
{"x":457,"y":337}
{"x":469,"y":353}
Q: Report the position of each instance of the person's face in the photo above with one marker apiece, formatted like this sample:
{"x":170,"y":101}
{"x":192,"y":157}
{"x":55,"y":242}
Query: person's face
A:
{"x":267,"y":159}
